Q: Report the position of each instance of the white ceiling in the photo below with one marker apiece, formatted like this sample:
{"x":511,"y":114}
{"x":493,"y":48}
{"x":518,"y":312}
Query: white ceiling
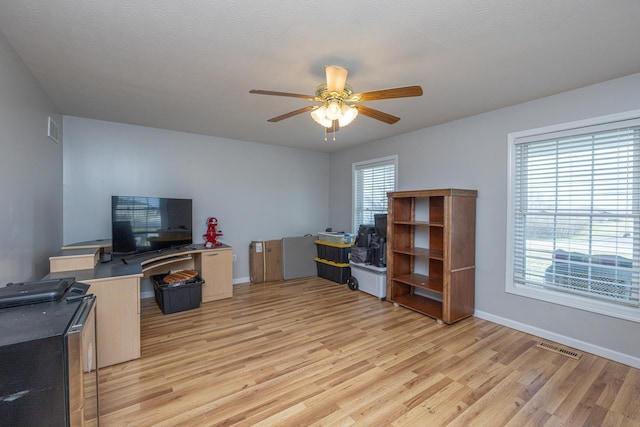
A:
{"x":189,"y":65}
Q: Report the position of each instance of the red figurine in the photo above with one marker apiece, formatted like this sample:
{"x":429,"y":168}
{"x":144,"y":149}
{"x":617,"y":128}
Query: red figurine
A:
{"x":211,"y":237}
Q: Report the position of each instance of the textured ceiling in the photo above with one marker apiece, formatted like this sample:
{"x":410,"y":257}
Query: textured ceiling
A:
{"x":189,"y":65}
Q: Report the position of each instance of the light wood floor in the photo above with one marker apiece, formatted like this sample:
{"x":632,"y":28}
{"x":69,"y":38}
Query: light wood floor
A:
{"x":312,"y":352}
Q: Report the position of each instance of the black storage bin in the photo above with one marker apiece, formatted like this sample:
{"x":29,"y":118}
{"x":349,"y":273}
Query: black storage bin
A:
{"x":338,"y":253}
{"x":335,"y":272}
{"x":175,"y":297}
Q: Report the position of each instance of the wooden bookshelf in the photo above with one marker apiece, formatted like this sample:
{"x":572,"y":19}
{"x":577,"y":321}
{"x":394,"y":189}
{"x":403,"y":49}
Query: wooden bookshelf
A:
{"x":431,"y":252}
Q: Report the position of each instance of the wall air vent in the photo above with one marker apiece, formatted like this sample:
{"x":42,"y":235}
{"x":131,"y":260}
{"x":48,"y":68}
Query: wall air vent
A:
{"x":53,"y":130}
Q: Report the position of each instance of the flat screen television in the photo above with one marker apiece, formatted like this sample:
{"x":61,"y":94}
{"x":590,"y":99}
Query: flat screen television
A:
{"x":144,"y":224}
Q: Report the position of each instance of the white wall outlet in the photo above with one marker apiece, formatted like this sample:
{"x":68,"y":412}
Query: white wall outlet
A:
{"x":234,"y":257}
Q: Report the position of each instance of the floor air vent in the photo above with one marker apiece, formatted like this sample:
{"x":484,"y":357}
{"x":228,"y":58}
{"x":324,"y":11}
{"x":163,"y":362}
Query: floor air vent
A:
{"x":561,"y":350}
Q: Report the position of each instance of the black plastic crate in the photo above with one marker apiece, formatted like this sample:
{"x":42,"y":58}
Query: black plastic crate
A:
{"x":175,"y":297}
{"x":335,"y":272}
{"x":333,"y":252}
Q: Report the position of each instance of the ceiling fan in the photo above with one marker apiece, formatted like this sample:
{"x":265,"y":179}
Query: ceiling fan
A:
{"x":338,"y":104}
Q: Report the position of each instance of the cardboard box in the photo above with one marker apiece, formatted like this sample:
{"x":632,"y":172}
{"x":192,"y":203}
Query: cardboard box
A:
{"x":265,"y":261}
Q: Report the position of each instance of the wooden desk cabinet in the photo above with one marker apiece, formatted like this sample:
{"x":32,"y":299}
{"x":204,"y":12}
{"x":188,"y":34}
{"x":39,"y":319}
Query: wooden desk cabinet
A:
{"x":118,"y":318}
{"x":74,"y":259}
{"x":117,"y":287}
{"x":216,"y":269}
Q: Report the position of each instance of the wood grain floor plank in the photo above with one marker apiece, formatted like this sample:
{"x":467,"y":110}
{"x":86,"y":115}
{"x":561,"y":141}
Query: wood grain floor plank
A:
{"x":309,"y":352}
{"x":627,"y":401}
{"x":499,"y":401}
{"x":549,"y":396}
{"x":580,"y":389}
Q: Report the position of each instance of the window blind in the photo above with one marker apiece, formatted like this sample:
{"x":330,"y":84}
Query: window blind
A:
{"x":371,"y":182}
{"x":576,"y":212}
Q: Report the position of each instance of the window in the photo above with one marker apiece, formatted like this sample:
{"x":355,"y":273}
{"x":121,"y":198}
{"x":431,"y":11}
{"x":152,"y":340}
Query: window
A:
{"x":574,"y":215}
{"x":372,"y":180}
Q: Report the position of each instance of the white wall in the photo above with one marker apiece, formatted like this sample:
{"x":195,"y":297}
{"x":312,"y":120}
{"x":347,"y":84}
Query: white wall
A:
{"x":256,"y":191}
{"x":472,"y":153}
{"x":30,"y":174}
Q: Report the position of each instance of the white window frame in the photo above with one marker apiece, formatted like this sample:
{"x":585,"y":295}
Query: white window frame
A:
{"x":631,"y":313}
{"x":388,"y":160}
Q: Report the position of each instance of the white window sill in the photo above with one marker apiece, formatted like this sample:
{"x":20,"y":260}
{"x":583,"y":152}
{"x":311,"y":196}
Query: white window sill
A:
{"x":576,"y":301}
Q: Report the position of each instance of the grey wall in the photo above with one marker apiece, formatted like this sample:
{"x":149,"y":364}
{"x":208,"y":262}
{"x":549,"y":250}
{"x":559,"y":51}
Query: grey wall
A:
{"x":256,"y":191}
{"x":30,"y":174}
{"x":472,"y":153}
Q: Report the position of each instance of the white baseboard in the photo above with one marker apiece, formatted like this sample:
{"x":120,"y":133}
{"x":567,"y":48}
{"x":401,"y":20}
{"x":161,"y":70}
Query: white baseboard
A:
{"x":148,"y":294}
{"x":627,"y":359}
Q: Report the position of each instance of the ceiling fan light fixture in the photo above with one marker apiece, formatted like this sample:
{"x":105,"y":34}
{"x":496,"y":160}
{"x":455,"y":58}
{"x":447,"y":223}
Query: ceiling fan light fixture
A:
{"x":319,"y":115}
{"x":349,"y":113}
{"x":336,"y":78}
{"x":333,"y":110}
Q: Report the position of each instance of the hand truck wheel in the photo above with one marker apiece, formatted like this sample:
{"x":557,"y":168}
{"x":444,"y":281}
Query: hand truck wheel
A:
{"x":352,"y":282}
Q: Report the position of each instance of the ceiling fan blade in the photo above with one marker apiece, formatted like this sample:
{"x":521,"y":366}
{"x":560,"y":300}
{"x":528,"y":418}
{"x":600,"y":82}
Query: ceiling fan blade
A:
{"x":336,"y":78}
{"x":292,"y":95}
{"x":398,"y":92}
{"x":293,"y":113}
{"x":377,"y":114}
